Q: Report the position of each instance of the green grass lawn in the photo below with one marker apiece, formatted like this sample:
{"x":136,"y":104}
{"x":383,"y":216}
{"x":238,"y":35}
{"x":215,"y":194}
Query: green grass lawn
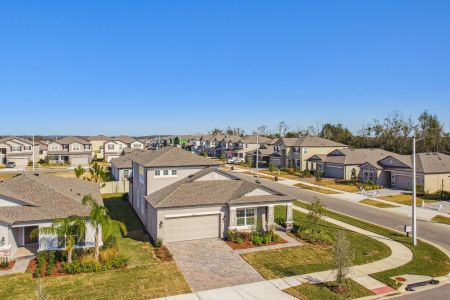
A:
{"x":441,"y":219}
{"x":427,"y":259}
{"x":377,"y":203}
{"x":406,"y":199}
{"x":315,"y":189}
{"x":310,"y":258}
{"x":324,"y":291}
{"x":146,"y":276}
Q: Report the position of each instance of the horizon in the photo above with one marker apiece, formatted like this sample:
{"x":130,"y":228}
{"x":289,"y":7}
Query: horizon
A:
{"x":183,"y":68}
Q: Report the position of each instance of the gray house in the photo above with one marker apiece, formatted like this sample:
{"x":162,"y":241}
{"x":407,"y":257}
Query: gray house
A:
{"x":179,"y":196}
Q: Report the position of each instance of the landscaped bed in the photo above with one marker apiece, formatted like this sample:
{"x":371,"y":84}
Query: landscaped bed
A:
{"x":312,"y":257}
{"x":326,"y":290}
{"x":441,"y":219}
{"x":145,"y":277}
{"x":427,"y":259}
{"x":6,"y":264}
{"x":243,"y":240}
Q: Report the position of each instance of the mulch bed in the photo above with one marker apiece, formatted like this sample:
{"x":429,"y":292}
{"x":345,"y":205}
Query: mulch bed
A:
{"x":249,"y":244}
{"x":56,"y":270}
{"x":10,"y":265}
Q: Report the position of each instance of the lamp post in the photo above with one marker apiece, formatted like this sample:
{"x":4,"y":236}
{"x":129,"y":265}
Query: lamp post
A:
{"x":414,"y":194}
{"x":33,"y":154}
{"x":257,"y":157}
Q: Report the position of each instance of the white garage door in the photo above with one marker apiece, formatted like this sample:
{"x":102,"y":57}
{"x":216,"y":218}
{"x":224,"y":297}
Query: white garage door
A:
{"x":334,"y":172}
{"x":79,"y":161}
{"x":192,"y":228}
{"x":20,"y":162}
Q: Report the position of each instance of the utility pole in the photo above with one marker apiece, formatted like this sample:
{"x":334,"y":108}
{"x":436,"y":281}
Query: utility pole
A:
{"x":32,"y":147}
{"x":414,"y":193}
{"x":257,"y":156}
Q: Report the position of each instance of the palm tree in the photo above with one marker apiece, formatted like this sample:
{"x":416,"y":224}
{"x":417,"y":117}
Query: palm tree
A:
{"x":98,"y":218}
{"x":67,"y":228}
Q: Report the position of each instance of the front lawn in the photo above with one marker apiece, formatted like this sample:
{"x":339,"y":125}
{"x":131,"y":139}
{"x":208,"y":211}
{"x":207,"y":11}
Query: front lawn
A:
{"x":406,"y":199}
{"x":337,"y":185}
{"x":441,"y":219}
{"x":427,"y":259}
{"x":145,"y":277}
{"x":324,"y":291}
{"x":377,"y":203}
{"x":310,"y":258}
{"x":314,"y":189}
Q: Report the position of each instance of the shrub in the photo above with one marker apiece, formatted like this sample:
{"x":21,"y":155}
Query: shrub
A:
{"x":257,"y":240}
{"x":307,"y":173}
{"x":159,"y":243}
{"x":238,"y":237}
{"x":315,"y":236}
{"x":4,"y":263}
{"x":40,"y":266}
{"x":51,"y":258}
{"x":110,"y":241}
{"x":125,"y":197}
{"x":267,"y":238}
{"x":88,"y":266}
{"x":238,"y":240}
{"x":276,"y":238}
{"x":290,"y":170}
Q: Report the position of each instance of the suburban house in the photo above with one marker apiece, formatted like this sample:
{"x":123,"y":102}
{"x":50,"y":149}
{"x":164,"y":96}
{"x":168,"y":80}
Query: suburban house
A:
{"x":70,"y":149}
{"x":263,"y":156}
{"x":33,"y":200}
{"x":433,"y":171}
{"x":122,"y":167}
{"x":228,"y":146}
{"x":18,"y":150}
{"x":344,"y":163}
{"x":114,"y":147}
{"x":209,"y":143}
{"x":179,"y":195}
{"x":43,"y":149}
{"x":295,"y":152}
{"x":247,"y":146}
{"x":97,"y":145}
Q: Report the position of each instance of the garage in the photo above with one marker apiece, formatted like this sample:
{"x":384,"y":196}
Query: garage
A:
{"x":192,"y":227}
{"x":21,"y":162}
{"x":333,"y":171}
{"x":403,"y":182}
{"x":79,"y":161}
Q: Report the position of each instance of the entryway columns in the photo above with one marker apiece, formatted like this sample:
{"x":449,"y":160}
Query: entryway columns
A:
{"x":270,"y":216}
{"x":233,"y":221}
{"x":289,"y":219}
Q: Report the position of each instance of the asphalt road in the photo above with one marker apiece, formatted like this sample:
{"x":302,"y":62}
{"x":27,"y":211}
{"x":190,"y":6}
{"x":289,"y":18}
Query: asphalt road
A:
{"x":433,"y":232}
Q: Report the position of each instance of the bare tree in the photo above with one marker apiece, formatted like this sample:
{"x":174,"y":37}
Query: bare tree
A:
{"x":281,"y":128}
{"x":342,"y":259}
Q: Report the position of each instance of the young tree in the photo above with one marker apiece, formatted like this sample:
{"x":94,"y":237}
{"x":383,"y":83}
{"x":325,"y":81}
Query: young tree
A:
{"x":66,"y":228}
{"x":353,"y":176}
{"x":98,"y":174}
{"x":316,"y":209}
{"x":79,"y":171}
{"x":342,"y":259}
{"x":318,"y":175}
{"x":98,"y":218}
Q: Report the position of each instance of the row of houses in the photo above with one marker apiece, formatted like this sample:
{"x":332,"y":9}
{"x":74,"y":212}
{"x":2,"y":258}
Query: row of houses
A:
{"x":68,"y":150}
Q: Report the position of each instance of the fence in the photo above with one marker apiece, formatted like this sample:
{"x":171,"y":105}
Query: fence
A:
{"x":116,"y":187}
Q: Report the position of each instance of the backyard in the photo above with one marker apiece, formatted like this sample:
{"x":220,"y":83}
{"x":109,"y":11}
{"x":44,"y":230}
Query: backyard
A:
{"x":145,"y":277}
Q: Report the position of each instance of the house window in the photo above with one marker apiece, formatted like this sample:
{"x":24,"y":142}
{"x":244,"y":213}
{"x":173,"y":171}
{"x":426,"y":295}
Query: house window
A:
{"x":245,"y":217}
{"x":27,"y":148}
{"x":111,"y":147}
{"x":126,"y":172}
{"x":166,"y":172}
{"x":305,"y":150}
{"x":297,"y":163}
{"x":174,"y":172}
{"x":54,"y":147}
{"x":141,"y":174}
{"x":76,"y":147}
{"x":87,"y":147}
{"x":16,"y":148}
{"x":157,"y":172}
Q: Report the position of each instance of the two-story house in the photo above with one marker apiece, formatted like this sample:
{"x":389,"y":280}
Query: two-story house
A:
{"x":97,"y":145}
{"x":18,"y":150}
{"x":115,"y":146}
{"x":248,"y":144}
{"x":179,"y":195}
{"x":72,"y":150}
{"x":228,"y":146}
{"x":294,"y":152}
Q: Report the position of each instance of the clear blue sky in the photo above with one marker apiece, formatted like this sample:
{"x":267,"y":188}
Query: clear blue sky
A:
{"x":146,"y":67}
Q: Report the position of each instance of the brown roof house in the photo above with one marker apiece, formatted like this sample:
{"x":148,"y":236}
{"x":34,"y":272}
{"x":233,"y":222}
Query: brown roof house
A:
{"x":115,"y":146}
{"x":18,"y":150}
{"x":70,"y":149}
{"x":179,"y":195}
{"x":295,"y":152}
{"x":33,"y":200}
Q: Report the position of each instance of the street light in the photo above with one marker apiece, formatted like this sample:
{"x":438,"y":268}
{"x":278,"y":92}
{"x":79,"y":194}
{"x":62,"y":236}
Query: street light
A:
{"x":257,"y":156}
{"x":414,"y":195}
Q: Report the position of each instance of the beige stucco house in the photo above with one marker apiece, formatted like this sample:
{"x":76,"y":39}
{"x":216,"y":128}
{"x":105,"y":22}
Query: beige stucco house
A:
{"x":179,"y":195}
{"x":70,"y":149}
{"x":18,"y":150}
{"x":34,"y":200}
{"x":97,"y":145}
{"x":295,"y":152}
{"x":115,"y":146}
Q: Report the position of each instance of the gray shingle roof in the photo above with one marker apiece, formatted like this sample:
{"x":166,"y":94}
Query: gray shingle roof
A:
{"x":189,"y":192}
{"x":310,"y":141}
{"x":124,"y":139}
{"x":100,"y":137}
{"x":10,"y":138}
{"x":124,"y":161}
{"x":172,"y":157}
{"x":47,"y":197}
{"x":251,"y":139}
{"x":71,"y":139}
{"x":428,"y":163}
{"x":359,"y":156}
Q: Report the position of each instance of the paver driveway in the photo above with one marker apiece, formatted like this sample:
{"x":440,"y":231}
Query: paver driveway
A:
{"x":210,"y":264}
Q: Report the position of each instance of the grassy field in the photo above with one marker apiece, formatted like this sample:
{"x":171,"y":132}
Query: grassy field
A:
{"x":324,"y":291}
{"x":441,"y":219}
{"x":377,"y":203}
{"x":427,"y":259}
{"x":315,"y":189}
{"x":310,"y":258}
{"x":406,"y":199}
{"x":145,"y":277}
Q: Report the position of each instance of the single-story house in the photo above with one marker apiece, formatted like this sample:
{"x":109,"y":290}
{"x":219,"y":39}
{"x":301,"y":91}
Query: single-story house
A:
{"x":33,"y":200}
{"x":179,"y":195}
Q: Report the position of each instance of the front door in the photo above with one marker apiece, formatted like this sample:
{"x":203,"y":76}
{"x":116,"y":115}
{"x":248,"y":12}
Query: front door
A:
{"x":27,"y":238}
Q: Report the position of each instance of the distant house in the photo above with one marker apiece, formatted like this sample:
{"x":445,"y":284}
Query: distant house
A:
{"x":97,"y":145}
{"x":114,"y":147}
{"x":248,"y":144}
{"x":18,"y":150}
{"x":70,"y":149}
{"x":295,"y":152}
{"x":33,"y":200}
{"x":122,"y":167}
{"x":179,"y":195}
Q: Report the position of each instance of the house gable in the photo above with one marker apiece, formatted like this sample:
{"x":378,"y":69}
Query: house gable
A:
{"x":336,"y":152}
{"x":213,"y":176}
{"x":391,"y":162}
{"x":258,"y":192}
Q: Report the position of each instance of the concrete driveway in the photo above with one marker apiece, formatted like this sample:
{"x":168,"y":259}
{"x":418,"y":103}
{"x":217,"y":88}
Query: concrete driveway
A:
{"x":210,"y":264}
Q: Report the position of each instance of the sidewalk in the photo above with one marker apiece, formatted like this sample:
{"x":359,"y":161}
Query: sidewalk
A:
{"x":20,"y":266}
